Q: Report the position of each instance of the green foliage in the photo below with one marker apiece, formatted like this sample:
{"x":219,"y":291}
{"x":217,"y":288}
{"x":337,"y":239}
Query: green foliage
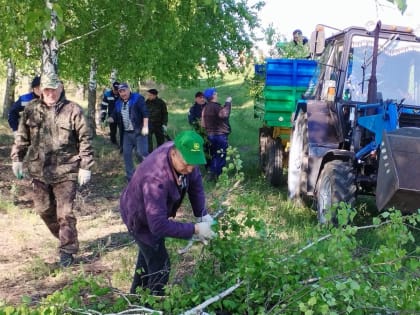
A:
{"x":256,"y":85}
{"x":401,"y":4}
{"x":84,"y":294}
{"x":167,"y":39}
{"x":290,"y":50}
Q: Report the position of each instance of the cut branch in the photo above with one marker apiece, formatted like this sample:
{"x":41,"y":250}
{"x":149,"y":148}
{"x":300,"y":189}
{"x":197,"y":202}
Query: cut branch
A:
{"x":199,"y":308}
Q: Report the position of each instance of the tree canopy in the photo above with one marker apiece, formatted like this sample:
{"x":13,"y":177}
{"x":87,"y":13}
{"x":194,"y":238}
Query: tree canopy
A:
{"x":160,"y":39}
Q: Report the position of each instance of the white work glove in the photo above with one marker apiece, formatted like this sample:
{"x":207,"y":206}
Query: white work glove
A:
{"x":14,"y":134}
{"x":204,"y":231}
{"x":164,"y":128}
{"x":144,"y":131}
{"x":110,"y":120}
{"x":17,"y":168}
{"x":206,"y":218}
{"x":84,"y":176}
{"x":229,"y":99}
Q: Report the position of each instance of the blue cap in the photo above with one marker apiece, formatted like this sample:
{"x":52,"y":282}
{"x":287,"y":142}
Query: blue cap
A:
{"x":123,"y":86}
{"x":208,"y":93}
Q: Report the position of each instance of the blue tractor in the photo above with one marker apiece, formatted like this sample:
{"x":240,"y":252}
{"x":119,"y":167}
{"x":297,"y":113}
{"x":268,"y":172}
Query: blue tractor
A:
{"x":357,"y":131}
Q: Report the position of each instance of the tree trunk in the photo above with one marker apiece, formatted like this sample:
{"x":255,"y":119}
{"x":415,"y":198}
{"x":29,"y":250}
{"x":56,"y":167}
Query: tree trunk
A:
{"x":92,"y":97}
{"x":50,"y":46}
{"x":9,"y":93}
{"x":113,"y":76}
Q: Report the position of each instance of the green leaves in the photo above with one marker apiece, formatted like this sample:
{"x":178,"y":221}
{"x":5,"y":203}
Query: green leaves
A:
{"x":165,"y":40}
{"x":401,"y":4}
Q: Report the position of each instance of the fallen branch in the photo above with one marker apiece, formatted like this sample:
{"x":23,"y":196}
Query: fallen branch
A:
{"x":199,"y":308}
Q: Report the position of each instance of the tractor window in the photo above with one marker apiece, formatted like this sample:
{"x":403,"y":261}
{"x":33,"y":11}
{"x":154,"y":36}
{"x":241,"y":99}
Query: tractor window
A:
{"x":398,"y":70}
{"x":317,"y":81}
{"x":329,"y":69}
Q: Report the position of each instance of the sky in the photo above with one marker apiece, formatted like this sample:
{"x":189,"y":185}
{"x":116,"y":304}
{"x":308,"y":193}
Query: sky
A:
{"x":288,"y":15}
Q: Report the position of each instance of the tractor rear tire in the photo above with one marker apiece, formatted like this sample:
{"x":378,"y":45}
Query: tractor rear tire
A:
{"x":264,"y":137}
{"x":336,"y":183}
{"x":297,"y":151}
{"x":274,"y":167}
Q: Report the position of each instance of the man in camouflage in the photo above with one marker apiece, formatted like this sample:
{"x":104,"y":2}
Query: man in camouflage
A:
{"x":54,"y":140}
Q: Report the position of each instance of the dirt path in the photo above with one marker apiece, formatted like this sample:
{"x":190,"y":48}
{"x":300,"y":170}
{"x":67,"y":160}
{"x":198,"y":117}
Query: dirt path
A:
{"x":28,"y":252}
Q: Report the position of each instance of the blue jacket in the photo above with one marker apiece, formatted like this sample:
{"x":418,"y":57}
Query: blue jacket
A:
{"x":18,"y":107}
{"x":137,"y":109}
{"x":108,"y":104}
{"x":153,"y":196}
{"x":194,"y":114}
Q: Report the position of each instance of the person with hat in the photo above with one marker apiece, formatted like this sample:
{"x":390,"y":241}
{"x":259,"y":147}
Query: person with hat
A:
{"x":215,"y":119}
{"x":194,"y":119}
{"x":18,"y":106}
{"x":107,"y":107}
{"x":132,"y":117}
{"x":55,"y":142}
{"x":154,"y":195}
{"x":158,"y":118}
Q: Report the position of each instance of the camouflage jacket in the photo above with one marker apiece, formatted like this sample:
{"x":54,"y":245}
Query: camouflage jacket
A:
{"x":54,"y":141}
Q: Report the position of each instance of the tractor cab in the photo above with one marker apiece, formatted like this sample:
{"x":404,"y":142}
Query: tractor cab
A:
{"x":365,"y":93}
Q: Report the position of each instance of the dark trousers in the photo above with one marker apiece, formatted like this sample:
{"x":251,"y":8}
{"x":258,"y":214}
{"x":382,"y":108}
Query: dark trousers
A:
{"x":152,"y":268}
{"x":113,"y":132}
{"x":54,"y":203}
{"x":157,"y":131}
{"x":218,"y":151}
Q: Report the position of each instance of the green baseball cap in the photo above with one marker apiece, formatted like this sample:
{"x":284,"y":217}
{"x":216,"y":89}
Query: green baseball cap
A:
{"x":190,"y":144}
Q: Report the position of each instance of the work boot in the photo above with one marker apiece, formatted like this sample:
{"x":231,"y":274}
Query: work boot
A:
{"x":66,"y":259}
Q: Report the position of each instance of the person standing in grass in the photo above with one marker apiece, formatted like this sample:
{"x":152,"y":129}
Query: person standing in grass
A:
{"x":158,"y":118}
{"x":194,"y":119}
{"x":133,"y":120}
{"x":215,"y":120}
{"x":154,"y":195}
{"x":194,"y":114}
{"x":107,"y":107}
{"x":22,"y":101}
{"x":54,"y":139}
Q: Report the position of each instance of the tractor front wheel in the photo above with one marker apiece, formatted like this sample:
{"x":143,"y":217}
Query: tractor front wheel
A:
{"x":336,"y":183}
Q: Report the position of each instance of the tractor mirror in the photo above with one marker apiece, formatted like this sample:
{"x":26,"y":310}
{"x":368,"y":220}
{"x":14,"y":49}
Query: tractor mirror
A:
{"x":317,"y":42}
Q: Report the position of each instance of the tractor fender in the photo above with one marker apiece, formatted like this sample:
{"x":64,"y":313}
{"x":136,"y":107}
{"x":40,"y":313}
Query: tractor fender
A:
{"x":317,"y":164}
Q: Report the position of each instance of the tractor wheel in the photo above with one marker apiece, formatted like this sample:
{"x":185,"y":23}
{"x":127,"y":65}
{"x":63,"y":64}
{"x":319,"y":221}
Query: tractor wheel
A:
{"x":296,"y":155}
{"x":274,"y":167}
{"x":265,"y":135}
{"x":336,"y":183}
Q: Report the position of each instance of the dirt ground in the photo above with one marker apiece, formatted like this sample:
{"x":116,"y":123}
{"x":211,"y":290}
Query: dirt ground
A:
{"x":28,"y":251}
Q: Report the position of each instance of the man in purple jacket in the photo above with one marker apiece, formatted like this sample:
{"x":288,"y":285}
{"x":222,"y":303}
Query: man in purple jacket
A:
{"x":153,"y":195}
